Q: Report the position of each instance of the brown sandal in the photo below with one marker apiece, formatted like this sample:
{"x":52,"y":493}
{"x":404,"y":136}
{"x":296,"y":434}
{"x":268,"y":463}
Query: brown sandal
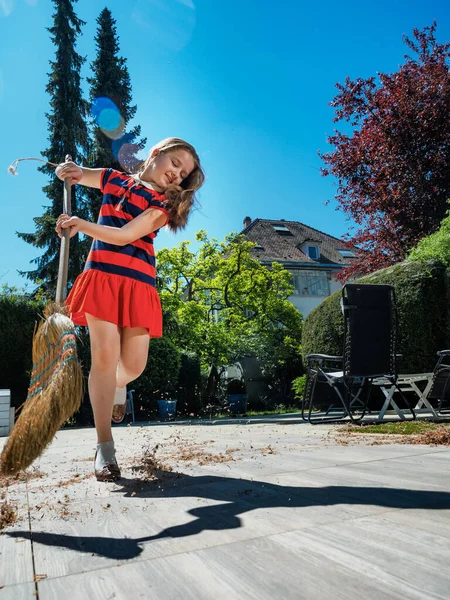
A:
{"x":118,"y":412}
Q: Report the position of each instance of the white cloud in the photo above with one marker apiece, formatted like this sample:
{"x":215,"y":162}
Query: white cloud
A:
{"x":6,"y":7}
{"x":166,"y":21}
{"x":188,"y":3}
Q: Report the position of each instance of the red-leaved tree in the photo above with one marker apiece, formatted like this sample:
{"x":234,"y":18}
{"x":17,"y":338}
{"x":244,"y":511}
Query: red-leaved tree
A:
{"x":393,"y":169}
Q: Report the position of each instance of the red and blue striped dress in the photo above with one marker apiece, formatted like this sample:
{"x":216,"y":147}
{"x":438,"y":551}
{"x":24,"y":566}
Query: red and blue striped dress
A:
{"x":118,"y":283}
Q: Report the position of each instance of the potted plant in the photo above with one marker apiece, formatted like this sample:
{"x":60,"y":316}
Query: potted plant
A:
{"x":237,"y":397}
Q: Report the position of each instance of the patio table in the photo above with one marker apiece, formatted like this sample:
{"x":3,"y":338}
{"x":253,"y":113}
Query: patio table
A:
{"x":407,"y":383}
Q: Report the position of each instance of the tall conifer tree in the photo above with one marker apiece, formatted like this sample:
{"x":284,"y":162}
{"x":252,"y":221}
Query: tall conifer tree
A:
{"x":68,"y":134}
{"x":113,"y":145}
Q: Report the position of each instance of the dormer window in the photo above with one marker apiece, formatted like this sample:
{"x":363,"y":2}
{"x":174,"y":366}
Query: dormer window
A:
{"x":282,"y":229}
{"x":346,"y":253}
{"x":313,"y":252}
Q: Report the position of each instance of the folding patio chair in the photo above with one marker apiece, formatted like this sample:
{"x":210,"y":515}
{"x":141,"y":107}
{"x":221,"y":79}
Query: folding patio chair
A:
{"x":440,"y":387}
{"x":337,"y":386}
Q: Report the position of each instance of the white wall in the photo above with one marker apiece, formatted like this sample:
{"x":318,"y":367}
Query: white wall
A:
{"x":334,"y":286}
{"x":305,"y":304}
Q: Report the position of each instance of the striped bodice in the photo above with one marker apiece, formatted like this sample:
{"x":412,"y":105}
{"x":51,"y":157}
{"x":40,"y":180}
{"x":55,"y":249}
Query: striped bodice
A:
{"x":123,"y":200}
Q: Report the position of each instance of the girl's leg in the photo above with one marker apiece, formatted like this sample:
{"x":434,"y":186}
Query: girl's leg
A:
{"x":133,"y":354}
{"x":105,"y":353}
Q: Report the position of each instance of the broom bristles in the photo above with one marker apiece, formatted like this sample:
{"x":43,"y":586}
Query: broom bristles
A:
{"x":54,"y":395}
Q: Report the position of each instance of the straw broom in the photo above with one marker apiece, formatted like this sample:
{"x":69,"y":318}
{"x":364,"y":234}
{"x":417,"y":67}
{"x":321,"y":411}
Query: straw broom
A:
{"x":56,"y":385}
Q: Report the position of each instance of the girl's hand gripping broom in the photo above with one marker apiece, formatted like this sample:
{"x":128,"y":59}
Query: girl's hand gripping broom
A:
{"x":56,"y":386}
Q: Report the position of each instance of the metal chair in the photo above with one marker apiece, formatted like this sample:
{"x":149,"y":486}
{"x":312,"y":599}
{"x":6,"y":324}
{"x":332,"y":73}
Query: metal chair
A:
{"x":440,"y":387}
{"x":337,"y":386}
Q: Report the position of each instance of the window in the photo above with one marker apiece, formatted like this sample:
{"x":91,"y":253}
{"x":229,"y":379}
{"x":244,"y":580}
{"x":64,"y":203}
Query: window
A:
{"x":282,"y":229}
{"x":311,"y":249}
{"x":310,"y":283}
{"x":313,"y":252}
{"x":347,"y":253}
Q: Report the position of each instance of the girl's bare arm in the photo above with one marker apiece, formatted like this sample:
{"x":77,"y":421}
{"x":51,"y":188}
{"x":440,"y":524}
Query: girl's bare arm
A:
{"x":81,"y":175}
{"x":150,"y":220}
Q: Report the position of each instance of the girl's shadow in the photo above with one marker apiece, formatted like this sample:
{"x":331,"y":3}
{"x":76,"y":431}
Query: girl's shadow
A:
{"x":235,"y":497}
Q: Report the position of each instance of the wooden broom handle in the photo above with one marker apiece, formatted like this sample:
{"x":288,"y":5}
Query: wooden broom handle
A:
{"x":61,"y":286}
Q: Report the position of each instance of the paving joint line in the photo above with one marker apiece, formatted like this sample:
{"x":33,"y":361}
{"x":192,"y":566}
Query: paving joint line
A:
{"x":36,"y":587}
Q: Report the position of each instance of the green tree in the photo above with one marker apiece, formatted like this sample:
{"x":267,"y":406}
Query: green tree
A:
{"x":68,"y":134}
{"x":392,"y":158}
{"x":111,"y":106}
{"x":221,"y":303}
{"x":435,"y":246}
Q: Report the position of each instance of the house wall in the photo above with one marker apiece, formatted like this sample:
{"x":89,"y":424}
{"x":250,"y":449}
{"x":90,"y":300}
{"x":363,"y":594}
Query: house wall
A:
{"x":305,"y":304}
{"x":334,"y":286}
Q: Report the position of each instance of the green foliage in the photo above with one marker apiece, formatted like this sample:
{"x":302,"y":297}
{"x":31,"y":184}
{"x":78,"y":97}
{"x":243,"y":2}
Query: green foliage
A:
{"x":85,"y":415}
{"x":18,"y":315}
{"x":298,"y":387}
{"x":160,"y":378}
{"x":422,"y":302}
{"x":435,"y":246}
{"x":189,"y":384}
{"x":68,"y":134}
{"x":223,"y":304}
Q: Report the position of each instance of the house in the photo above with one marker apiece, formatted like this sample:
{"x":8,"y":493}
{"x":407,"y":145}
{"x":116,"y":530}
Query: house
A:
{"x":313,"y":258}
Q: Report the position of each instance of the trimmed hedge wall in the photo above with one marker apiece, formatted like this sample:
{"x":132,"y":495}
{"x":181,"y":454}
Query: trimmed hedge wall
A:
{"x":422,"y":293}
{"x":18,"y":315}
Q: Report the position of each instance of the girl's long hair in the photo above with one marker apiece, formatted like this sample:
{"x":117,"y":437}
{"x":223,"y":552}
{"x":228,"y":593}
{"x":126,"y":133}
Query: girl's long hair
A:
{"x":180,"y":198}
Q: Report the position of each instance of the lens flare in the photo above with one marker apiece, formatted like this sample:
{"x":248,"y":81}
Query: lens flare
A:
{"x":107,"y":116}
{"x":127,"y":152}
{"x":109,"y":119}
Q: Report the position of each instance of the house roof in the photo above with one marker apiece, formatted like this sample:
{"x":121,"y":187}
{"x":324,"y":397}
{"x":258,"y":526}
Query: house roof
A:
{"x":286,"y":246}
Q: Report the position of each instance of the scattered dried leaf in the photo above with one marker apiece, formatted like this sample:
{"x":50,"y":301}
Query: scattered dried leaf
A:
{"x":7,"y":515}
{"x":9,"y":480}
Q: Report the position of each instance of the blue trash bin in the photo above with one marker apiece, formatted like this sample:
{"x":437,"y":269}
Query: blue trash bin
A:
{"x":167,"y":409}
{"x":237,"y":403}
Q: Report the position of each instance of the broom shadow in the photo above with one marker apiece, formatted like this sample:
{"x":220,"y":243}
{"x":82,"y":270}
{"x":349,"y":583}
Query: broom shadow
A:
{"x":237,"y":496}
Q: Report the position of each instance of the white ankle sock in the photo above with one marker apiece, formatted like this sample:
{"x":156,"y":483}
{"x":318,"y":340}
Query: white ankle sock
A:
{"x":120,"y":396}
{"x":105,"y":454}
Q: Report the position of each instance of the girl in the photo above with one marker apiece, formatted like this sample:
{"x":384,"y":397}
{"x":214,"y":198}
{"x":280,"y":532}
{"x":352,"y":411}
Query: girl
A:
{"x":115,"y":296}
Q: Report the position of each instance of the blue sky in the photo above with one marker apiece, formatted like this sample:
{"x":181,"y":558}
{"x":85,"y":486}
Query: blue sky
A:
{"x":247,"y":82}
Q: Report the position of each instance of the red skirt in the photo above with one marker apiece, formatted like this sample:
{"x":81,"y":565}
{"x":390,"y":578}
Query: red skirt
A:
{"x":120,"y":300}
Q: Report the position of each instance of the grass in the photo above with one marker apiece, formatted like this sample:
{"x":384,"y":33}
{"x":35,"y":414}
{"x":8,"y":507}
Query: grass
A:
{"x":400,"y":428}
{"x":279,"y":411}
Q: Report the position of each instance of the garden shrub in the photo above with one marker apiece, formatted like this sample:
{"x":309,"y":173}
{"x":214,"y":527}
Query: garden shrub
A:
{"x":18,"y":316}
{"x":189,"y":384}
{"x":435,"y":246}
{"x":421,"y":289}
{"x":159,"y":379}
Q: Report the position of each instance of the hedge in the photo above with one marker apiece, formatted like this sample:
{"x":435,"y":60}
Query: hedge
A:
{"x":159,"y":379}
{"x":422,"y":293}
{"x":18,"y":315}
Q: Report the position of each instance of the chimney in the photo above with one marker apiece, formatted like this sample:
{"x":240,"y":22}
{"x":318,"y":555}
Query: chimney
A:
{"x":247,"y":222}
